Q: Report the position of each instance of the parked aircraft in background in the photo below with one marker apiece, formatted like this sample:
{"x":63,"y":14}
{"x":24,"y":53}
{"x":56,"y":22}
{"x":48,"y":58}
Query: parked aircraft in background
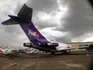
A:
{"x":37,"y":40}
{"x":8,"y":51}
{"x":31,"y":50}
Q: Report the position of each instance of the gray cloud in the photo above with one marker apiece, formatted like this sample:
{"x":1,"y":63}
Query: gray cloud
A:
{"x":79,"y":20}
{"x":43,"y":5}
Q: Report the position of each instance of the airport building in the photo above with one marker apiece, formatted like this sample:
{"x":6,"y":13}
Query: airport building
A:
{"x":80,"y":44}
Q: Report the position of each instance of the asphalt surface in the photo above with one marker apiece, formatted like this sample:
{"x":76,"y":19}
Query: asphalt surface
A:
{"x":74,"y":61}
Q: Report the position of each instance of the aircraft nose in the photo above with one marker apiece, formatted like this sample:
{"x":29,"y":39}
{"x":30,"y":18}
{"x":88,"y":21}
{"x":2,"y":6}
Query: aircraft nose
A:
{"x":1,"y":52}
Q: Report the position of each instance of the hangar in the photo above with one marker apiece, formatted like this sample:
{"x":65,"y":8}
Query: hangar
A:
{"x":80,"y":44}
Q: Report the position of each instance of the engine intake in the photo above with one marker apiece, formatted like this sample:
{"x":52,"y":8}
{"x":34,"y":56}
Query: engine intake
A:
{"x":49,"y":44}
{"x":27,"y":44}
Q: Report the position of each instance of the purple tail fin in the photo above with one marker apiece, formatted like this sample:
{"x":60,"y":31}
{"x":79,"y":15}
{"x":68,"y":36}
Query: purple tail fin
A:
{"x":24,"y":18}
{"x":32,"y":33}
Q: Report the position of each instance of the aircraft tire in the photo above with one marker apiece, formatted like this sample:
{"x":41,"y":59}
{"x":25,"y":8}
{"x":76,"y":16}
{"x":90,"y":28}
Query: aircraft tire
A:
{"x":53,"y":53}
{"x":64,"y":51}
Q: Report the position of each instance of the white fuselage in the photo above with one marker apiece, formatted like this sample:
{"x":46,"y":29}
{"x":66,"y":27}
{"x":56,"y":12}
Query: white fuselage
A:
{"x":63,"y":46}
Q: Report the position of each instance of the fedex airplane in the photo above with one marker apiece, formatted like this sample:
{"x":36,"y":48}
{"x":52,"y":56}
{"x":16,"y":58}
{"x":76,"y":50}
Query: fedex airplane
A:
{"x":37,"y":40}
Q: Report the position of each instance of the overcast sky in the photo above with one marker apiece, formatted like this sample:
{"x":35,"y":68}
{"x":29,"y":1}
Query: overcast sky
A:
{"x":60,"y":20}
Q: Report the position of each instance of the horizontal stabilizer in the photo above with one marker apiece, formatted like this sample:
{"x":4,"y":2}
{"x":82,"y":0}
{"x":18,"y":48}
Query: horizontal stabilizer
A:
{"x":10,"y":22}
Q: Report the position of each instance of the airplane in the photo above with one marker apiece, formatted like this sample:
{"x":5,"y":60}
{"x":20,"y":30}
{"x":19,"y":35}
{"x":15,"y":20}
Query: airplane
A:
{"x":31,"y":51}
{"x":8,"y":51}
{"x":91,"y":3}
{"x":37,"y":40}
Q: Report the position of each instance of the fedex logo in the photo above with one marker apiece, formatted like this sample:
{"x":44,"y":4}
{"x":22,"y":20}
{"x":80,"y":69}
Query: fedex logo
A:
{"x":33,"y":33}
{"x":30,"y":32}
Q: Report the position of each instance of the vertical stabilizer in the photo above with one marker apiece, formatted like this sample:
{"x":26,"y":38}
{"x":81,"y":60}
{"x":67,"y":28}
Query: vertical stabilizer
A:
{"x":25,"y":13}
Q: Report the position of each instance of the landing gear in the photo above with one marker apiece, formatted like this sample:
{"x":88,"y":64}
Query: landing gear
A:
{"x":64,"y":51}
{"x":53,"y":54}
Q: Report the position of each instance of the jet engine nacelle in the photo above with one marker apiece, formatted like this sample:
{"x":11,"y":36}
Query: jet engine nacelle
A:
{"x":49,"y":44}
{"x":52,"y":44}
{"x":27,"y":44}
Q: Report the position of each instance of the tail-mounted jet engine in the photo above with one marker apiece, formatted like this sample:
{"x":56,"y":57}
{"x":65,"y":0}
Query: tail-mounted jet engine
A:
{"x":27,"y":44}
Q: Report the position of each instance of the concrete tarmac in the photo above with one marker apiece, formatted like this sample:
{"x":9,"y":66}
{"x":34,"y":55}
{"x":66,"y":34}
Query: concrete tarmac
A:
{"x":73,"y":61}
